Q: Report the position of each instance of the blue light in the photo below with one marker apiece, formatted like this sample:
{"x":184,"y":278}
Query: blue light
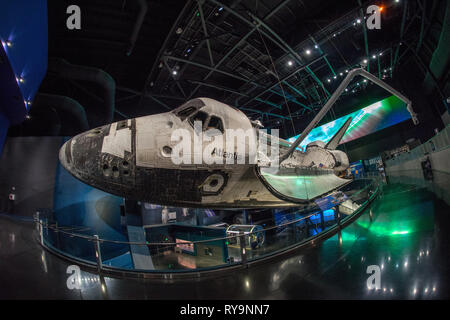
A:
{"x":328,"y":213}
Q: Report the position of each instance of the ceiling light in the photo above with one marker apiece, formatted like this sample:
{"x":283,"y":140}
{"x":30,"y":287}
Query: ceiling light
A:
{"x":329,"y":80}
{"x":308,"y":51}
{"x":316,"y":46}
{"x":290,"y":63}
{"x":358,"y":20}
{"x":174,"y":72}
{"x":374,"y":57}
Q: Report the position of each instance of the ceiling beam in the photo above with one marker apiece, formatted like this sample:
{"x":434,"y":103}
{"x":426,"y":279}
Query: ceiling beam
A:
{"x":284,"y":79}
{"x":205,"y":31}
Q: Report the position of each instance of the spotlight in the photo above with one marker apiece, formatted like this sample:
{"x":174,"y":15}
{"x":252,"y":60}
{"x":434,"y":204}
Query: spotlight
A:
{"x":174,"y":72}
{"x":290,"y":63}
{"x":329,"y":80}
{"x":316,"y":46}
{"x":374,"y":56}
{"x":381,"y":53}
{"x":334,"y":77}
{"x":358,"y":20}
{"x":341,"y":74}
{"x":308,"y":51}
{"x":8,"y":43}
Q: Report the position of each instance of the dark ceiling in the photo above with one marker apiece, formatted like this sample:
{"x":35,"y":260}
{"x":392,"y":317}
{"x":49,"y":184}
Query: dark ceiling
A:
{"x":277,"y":60}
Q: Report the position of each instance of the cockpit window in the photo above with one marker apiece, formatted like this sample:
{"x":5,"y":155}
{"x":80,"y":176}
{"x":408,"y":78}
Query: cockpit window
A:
{"x":186,"y":112}
{"x":199,"y":116}
{"x":187,"y":109}
{"x":215,"y":123}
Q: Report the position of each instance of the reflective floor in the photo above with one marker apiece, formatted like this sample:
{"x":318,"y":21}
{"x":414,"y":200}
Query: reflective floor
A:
{"x":408,"y":239}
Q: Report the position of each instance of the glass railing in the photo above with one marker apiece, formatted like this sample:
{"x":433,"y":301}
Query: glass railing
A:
{"x":186,"y":253}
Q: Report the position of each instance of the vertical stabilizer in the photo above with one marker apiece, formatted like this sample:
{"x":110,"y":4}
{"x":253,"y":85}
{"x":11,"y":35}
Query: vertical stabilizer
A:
{"x":334,"y":142}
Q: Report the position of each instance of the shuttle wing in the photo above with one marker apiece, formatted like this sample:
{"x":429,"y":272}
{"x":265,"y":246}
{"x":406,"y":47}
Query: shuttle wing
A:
{"x":299,"y":185}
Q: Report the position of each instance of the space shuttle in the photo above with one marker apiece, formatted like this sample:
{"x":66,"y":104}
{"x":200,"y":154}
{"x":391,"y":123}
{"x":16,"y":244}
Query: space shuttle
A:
{"x":134,"y":158}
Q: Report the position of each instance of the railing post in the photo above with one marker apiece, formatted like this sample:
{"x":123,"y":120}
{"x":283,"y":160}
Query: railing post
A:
{"x":98,"y":254}
{"x":322,"y":221}
{"x":243,"y":249}
{"x":41,"y":232}
{"x":338,"y":216}
{"x":36,"y":219}
{"x":57,"y":234}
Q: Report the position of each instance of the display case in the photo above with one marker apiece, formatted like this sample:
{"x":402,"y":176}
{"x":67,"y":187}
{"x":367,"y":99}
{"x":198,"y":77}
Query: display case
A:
{"x":253,"y":234}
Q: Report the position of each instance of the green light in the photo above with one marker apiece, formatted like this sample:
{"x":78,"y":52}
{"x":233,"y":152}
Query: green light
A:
{"x":400,"y":232}
{"x":197,"y":14}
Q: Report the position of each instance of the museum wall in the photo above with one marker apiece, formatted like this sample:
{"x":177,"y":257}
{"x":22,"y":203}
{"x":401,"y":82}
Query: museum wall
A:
{"x":407,"y":167}
{"x":28,"y":164}
{"x":4,"y":124}
{"x":31,"y":165}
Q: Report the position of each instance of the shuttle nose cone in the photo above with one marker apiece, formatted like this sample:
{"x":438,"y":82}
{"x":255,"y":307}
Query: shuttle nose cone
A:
{"x":102,"y":158}
{"x":65,"y":154}
{"x":80,"y":154}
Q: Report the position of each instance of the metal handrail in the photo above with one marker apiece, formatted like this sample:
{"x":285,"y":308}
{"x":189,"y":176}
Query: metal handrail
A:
{"x":94,"y":238}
